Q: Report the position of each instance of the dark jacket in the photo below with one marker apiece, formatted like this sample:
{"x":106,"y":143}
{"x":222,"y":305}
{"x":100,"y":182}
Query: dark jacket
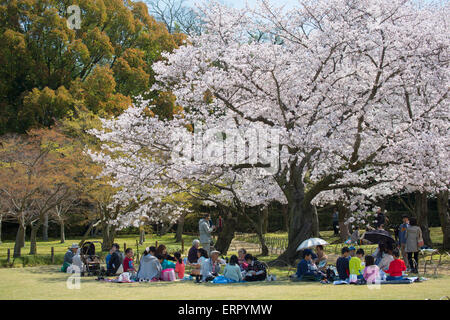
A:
{"x":114,"y":262}
{"x":303,"y":269}
{"x":192,"y":255}
{"x":342,"y":266}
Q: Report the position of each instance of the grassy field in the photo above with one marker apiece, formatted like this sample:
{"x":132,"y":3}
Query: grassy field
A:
{"x":45,"y":282}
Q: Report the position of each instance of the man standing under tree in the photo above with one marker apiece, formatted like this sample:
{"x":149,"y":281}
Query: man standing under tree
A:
{"x":336,"y":223}
{"x":205,"y":229}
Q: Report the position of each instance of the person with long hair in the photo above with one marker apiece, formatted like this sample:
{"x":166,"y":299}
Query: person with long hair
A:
{"x":232,"y":270}
{"x":179,"y":265}
{"x":162,"y":250}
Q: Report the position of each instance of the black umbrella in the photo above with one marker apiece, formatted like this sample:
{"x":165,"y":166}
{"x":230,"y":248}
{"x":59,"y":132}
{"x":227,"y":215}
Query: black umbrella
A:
{"x":378,"y":236}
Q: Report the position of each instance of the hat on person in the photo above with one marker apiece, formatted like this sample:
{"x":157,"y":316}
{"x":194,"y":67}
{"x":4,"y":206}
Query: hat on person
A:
{"x":74,"y":246}
{"x":351,"y":248}
{"x":215,"y":251}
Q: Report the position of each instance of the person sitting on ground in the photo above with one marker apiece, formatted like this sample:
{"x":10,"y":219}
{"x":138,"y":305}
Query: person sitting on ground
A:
{"x":371,"y":271}
{"x":128,"y":263}
{"x":211,"y":267}
{"x":256,"y":271}
{"x":379,"y":253}
{"x":387,"y":257}
{"x":396,"y":267}
{"x":241,"y":259}
{"x":232,"y":270}
{"x":321,"y":260}
{"x":306,"y":269}
{"x":179,"y":266}
{"x":149,"y":266}
{"x":68,"y":257}
{"x":355,"y":264}
{"x":192,"y":254}
{"x":202,"y":255}
{"x":342,"y":264}
{"x":115,"y":261}
{"x":352,"y":252}
{"x":162,"y":250}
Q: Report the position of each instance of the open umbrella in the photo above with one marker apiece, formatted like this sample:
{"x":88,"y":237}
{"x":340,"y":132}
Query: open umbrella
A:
{"x":377,"y":236}
{"x":312,"y":242}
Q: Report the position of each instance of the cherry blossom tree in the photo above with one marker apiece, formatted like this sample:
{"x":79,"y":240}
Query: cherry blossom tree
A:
{"x":338,"y":87}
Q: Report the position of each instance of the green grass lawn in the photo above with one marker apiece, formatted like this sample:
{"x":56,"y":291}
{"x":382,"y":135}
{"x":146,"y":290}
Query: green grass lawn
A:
{"x":44,"y":282}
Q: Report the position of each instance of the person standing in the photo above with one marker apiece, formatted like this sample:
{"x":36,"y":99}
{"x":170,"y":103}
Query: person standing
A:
{"x":414,"y":241}
{"x":219,"y":224}
{"x":336,"y":223}
{"x":402,"y":238}
{"x":205,"y":230}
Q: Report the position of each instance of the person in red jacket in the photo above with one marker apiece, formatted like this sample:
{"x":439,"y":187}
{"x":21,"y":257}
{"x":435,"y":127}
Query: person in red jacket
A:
{"x":128,"y":264}
{"x":396,"y":267}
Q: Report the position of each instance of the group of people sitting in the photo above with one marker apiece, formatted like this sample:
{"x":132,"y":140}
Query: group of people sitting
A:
{"x":353,"y":266}
{"x":157,"y":265}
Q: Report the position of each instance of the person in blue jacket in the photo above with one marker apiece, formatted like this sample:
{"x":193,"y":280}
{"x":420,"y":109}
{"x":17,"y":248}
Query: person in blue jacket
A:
{"x":307,"y":270}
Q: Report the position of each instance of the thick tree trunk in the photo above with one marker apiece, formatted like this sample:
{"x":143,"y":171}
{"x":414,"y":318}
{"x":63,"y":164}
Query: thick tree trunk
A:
{"x":285,"y":212}
{"x":444,"y":216}
{"x":45,"y":228}
{"x":180,"y":228}
{"x":265,"y":220}
{"x":227,"y":234}
{"x":421,"y":213}
{"x":62,"y":232}
{"x":301,"y":227}
{"x":109,"y":234}
{"x":33,"y":237}
{"x":19,"y":241}
{"x":343,"y":227}
{"x":316,"y":231}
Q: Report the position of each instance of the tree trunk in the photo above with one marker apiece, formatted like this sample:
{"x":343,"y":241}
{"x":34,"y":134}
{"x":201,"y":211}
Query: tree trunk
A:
{"x":265,"y":220}
{"x":343,"y":227}
{"x":421,"y":213}
{"x":263,"y":217}
{"x":141,"y":235}
{"x":444,"y":216}
{"x":227,"y":234}
{"x":316,"y":231}
{"x":62,"y":232}
{"x":109,"y":234}
{"x":285,"y":212}
{"x":180,"y":228}
{"x":88,"y":231}
{"x":19,"y":239}
{"x":45,"y":228}
{"x":33,"y":237}
{"x":301,"y":216}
